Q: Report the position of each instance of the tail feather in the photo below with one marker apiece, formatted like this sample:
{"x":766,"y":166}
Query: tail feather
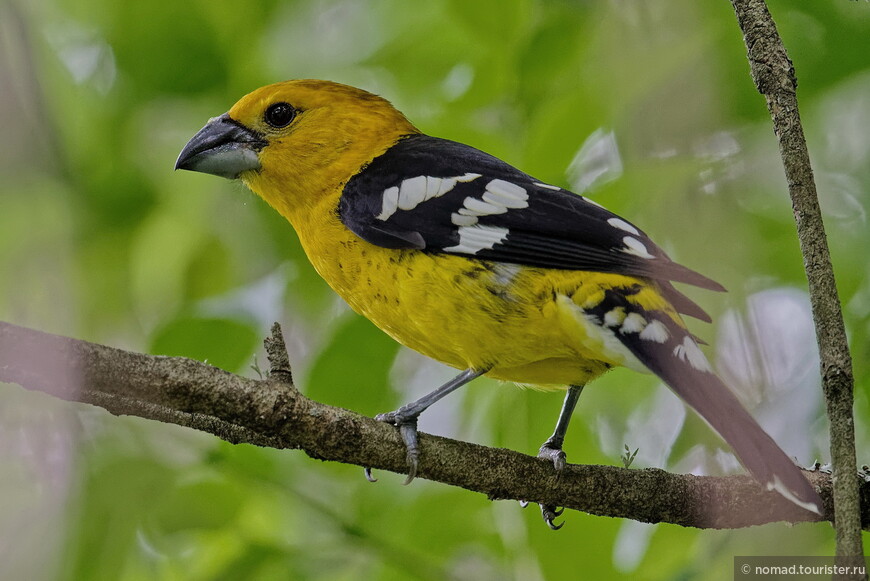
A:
{"x":682,"y":303}
{"x":669,"y":350}
{"x":755,"y":449}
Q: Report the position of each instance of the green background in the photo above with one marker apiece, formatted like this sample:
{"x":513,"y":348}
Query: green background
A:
{"x":647,"y":106}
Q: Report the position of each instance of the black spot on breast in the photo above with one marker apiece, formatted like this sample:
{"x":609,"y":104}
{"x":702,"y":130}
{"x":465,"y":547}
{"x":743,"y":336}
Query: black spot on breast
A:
{"x":475,"y":273}
{"x":399,"y":257}
{"x":500,"y":292}
{"x":498,"y":316}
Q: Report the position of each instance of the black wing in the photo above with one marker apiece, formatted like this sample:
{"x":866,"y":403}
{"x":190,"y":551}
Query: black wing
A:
{"x":442,"y":196}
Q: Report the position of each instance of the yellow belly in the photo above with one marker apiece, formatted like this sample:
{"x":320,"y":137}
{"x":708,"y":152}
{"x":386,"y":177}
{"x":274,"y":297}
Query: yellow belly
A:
{"x":524,"y":324}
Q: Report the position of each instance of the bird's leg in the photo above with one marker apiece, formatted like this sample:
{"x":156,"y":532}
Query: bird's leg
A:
{"x":405,"y":418}
{"x":552,"y":449}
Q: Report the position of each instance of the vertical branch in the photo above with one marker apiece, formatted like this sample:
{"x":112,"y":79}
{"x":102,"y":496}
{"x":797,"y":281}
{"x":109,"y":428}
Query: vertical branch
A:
{"x":774,"y":77}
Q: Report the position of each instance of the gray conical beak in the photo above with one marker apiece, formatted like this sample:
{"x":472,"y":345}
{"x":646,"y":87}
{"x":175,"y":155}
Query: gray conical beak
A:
{"x":223,"y":148}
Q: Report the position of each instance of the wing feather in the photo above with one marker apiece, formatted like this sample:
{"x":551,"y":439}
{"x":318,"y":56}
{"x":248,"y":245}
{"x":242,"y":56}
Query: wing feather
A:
{"x":544,"y":226}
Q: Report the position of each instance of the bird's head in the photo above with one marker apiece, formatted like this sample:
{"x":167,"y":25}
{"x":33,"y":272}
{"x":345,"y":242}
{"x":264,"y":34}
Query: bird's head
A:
{"x":293,"y":142}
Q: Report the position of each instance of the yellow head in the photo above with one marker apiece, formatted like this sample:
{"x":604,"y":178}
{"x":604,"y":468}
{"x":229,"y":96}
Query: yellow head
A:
{"x":295,"y":142}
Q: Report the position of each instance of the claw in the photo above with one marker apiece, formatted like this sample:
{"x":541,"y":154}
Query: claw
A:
{"x":554,"y":526}
{"x":523,"y":503}
{"x":405,"y":418}
{"x":408,"y":430}
{"x":369,"y":476}
{"x":550,"y":514}
{"x":552,"y":450}
{"x":555,"y":455}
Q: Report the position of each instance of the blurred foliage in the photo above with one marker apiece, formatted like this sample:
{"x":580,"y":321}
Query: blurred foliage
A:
{"x":647,"y":106}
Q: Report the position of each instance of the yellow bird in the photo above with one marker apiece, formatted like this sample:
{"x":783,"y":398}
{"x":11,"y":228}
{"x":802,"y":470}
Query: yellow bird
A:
{"x":466,"y":259}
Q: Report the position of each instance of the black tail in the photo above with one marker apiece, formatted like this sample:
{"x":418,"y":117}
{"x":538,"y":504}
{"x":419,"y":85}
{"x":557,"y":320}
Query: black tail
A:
{"x":756,"y":450}
{"x":670,"y":352}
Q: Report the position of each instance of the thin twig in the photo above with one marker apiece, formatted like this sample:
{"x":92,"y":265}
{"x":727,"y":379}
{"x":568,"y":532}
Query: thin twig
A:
{"x":774,"y":77}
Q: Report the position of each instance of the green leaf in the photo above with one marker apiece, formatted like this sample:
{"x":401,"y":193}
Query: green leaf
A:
{"x":628,"y":456}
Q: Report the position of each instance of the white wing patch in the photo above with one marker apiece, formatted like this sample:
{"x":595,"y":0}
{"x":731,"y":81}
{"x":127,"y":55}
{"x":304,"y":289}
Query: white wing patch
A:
{"x":655,"y":331}
{"x":475,"y":207}
{"x":633,"y":323}
{"x":502,"y":193}
{"x":390,"y":203}
{"x":473,"y":239}
{"x":597,"y":337}
{"x":414,"y":191}
{"x":614,"y":317}
{"x":463,"y":219}
{"x":499,"y":197}
{"x":623,"y":225}
{"x":590,"y":201}
{"x":636,"y":247}
{"x":689,"y":352}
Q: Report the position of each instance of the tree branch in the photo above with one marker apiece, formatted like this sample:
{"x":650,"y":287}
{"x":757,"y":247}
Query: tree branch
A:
{"x":273,"y":413}
{"x":774,"y":76}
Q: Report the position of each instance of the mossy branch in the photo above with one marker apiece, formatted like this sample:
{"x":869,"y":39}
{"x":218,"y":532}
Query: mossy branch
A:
{"x":271,"y":412}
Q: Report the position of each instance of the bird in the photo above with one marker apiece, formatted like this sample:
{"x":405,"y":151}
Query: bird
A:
{"x":466,"y":259}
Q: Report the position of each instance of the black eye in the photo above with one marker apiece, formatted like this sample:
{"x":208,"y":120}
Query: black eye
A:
{"x":280,"y":114}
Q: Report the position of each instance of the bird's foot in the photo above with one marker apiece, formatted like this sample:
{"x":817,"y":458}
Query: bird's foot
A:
{"x":407,"y":425}
{"x":554,"y":455}
{"x":552,"y":452}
